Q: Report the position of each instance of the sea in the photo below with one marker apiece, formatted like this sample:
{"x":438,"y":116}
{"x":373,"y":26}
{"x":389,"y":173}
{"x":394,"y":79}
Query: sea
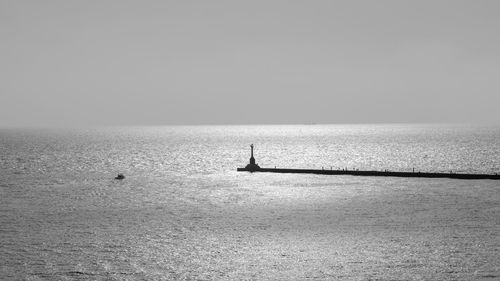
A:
{"x":183,"y":212}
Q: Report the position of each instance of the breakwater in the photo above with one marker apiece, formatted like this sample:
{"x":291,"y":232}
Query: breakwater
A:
{"x":254,"y":167}
{"x":374,"y":173}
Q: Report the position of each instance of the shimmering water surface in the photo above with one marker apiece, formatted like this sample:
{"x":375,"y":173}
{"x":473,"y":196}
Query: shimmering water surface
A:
{"x":184,"y":213}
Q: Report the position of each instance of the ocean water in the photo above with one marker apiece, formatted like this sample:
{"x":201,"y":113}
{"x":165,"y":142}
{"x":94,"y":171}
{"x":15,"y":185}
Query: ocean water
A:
{"x":184,"y":213}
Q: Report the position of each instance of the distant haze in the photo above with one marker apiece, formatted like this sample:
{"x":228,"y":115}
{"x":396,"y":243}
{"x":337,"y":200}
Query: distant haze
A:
{"x":248,"y":62}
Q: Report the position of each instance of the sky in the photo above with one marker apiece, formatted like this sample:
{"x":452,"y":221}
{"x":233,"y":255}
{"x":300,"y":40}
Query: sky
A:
{"x":72,"y":63}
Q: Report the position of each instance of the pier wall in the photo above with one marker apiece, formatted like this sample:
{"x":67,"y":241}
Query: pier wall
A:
{"x":374,"y":173}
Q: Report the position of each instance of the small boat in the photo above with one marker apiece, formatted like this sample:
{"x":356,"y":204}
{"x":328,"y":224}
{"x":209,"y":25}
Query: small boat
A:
{"x":119,"y":177}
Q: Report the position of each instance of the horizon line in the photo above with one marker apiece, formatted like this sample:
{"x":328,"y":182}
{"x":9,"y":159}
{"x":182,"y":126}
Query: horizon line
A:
{"x":77,"y":126}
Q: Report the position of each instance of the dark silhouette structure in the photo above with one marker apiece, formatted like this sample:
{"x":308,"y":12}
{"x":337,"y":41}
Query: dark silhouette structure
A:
{"x":253,"y":167}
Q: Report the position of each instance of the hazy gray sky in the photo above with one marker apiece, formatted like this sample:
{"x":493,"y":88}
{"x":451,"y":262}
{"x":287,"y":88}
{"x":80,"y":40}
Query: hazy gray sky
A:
{"x":240,"y":62}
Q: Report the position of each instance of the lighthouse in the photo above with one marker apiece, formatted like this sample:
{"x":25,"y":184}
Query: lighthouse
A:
{"x":252,"y":166}
{"x":252,"y":160}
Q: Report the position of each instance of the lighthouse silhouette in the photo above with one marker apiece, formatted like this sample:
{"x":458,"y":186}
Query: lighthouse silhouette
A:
{"x":252,"y":166}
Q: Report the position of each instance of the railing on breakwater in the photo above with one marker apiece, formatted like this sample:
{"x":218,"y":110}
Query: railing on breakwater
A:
{"x":374,"y":173}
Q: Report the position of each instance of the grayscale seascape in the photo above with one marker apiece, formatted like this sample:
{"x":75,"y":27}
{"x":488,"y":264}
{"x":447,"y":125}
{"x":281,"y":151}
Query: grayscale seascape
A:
{"x":249,"y":140}
{"x":184,"y":213}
